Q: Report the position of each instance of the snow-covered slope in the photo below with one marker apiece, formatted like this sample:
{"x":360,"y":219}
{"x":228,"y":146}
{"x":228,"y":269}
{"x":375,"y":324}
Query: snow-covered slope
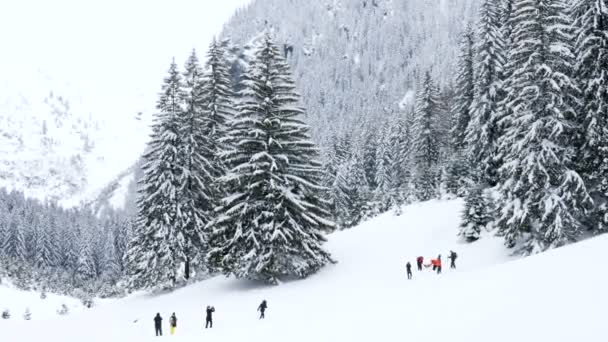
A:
{"x":40,"y":307}
{"x":77,"y":94}
{"x":556,"y":296}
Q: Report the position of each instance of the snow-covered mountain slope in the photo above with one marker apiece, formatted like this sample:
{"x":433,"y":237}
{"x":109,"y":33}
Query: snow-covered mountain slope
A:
{"x":77,"y":94}
{"x":556,"y":296}
{"x":354,"y":61}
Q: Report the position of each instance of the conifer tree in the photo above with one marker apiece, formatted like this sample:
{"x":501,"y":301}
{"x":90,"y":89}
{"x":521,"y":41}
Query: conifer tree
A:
{"x":270,"y":225}
{"x":426,"y":141}
{"x":198,"y":170}
{"x":591,"y":46}
{"x":476,"y":215}
{"x":351,"y":192}
{"x":465,"y":89}
{"x":402,"y":166}
{"x":384,"y":178}
{"x":14,"y":243}
{"x":458,"y":169}
{"x":542,"y":196}
{"x":483,"y":132}
{"x":153,"y":250}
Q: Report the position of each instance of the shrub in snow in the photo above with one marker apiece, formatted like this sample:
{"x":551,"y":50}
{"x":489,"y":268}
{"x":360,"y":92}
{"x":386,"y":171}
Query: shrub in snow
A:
{"x":63,"y":311}
{"x":43,"y":295}
{"x":6,"y":314}
{"x":88,"y":302}
{"x":27,"y":315}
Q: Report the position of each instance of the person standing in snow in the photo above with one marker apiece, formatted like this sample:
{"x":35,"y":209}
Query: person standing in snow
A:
{"x":262,"y":308}
{"x":419,"y":262}
{"x":173,"y":323}
{"x":452,"y":258}
{"x":158,"y":327}
{"x":209,"y":320}
{"x":408,"y":268}
{"x":439,"y":264}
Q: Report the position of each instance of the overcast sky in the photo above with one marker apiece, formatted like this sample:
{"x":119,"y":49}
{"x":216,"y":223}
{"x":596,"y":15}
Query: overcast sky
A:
{"x":106,"y":48}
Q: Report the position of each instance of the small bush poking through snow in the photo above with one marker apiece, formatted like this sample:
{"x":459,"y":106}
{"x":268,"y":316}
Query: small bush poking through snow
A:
{"x":88,"y":302}
{"x":6,"y":314}
{"x":63,"y":311}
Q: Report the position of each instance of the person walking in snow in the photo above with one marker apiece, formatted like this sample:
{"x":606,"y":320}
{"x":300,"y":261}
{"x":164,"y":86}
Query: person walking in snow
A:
{"x":408,"y":268}
{"x":452,"y":258}
{"x":262,"y":308}
{"x":419,"y":262}
{"x":158,"y":325}
{"x":209,"y":320}
{"x":172,"y":323}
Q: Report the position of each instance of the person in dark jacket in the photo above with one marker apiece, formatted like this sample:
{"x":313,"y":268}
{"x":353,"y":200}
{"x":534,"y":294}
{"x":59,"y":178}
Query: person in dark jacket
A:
{"x":452,"y":258}
{"x":408,"y":268}
{"x":158,"y":325}
{"x":419,"y":262}
{"x":172,"y":323}
{"x":262,"y":308}
{"x":439,"y":264}
{"x":209,"y":320}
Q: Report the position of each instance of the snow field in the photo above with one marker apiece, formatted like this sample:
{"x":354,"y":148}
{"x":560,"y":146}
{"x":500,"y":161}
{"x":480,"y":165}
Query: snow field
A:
{"x":17,"y":302}
{"x":556,"y":296}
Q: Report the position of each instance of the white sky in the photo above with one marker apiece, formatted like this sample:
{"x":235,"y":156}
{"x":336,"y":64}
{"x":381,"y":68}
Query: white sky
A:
{"x":112,"y":51}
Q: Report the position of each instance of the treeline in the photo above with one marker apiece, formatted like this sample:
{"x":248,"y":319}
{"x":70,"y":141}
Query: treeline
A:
{"x":68,"y":251}
{"x":532,"y":94}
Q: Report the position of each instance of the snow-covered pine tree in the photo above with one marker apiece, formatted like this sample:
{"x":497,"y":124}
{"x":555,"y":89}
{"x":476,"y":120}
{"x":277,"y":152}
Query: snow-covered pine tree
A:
{"x":153,"y":249}
{"x":371,"y":142}
{"x":457,"y":179}
{"x":426,"y":141}
{"x":542,"y":196}
{"x":464,"y":89}
{"x":483,"y":131}
{"x":402,"y":166}
{"x":270,"y":226}
{"x":46,"y":250}
{"x":85,"y":268}
{"x":591,"y":33}
{"x":384,"y":193}
{"x":351,"y":192}
{"x":476,"y":215}
{"x":198,"y":170}
{"x":14,"y":244}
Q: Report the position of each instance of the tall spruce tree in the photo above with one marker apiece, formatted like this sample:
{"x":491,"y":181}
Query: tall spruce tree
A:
{"x":351,"y":192}
{"x":543,"y":197}
{"x":384,"y":193}
{"x":426,"y":141}
{"x":458,"y":170}
{"x":483,"y":132}
{"x":198,"y":170}
{"x":153,"y":249}
{"x":270,"y":224}
{"x":591,"y":33}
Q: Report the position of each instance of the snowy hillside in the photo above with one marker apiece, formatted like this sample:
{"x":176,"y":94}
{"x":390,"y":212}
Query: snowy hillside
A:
{"x":357,"y":59}
{"x":76,"y":104}
{"x":556,"y":296}
{"x":54,"y":145}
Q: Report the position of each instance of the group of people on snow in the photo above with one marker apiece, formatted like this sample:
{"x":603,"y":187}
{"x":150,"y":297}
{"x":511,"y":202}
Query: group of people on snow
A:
{"x":435,"y":263}
{"x":158,"y":320}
